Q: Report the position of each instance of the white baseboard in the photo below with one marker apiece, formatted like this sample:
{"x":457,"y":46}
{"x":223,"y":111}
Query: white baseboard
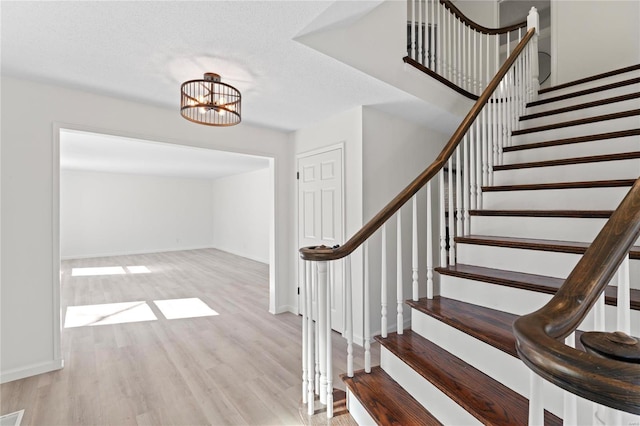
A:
{"x":132,"y":252}
{"x":31,"y":370}
{"x":286,"y":308}
{"x":250,"y":257}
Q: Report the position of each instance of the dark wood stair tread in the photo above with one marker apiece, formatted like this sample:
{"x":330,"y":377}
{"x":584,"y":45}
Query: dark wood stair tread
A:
{"x":588,"y":214}
{"x":614,"y":183}
{"x":585,"y":105}
{"x":570,"y":161}
{"x":591,"y":78}
{"x":532,"y":282}
{"x":578,"y":122}
{"x":602,"y":88}
{"x":579,"y":139}
{"x":573,"y":247}
{"x":486,"y":399}
{"x":386,"y":401}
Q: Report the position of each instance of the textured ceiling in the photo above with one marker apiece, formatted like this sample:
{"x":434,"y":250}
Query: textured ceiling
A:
{"x":144,"y":50}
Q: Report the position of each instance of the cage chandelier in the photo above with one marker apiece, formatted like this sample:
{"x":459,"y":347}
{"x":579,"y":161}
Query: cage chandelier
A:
{"x":210,"y":102}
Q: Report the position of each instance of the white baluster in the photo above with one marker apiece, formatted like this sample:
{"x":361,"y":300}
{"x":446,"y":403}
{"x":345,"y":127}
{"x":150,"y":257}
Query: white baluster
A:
{"x":399,"y":283}
{"x":414,"y":249}
{"x":452,"y":213}
{"x":599,"y":325}
{"x":488,"y":60}
{"x":432,"y":31}
{"x":429,"y":245}
{"x":570,"y":415}
{"x":466,"y":194}
{"x":305,"y":335}
{"x":536,"y":400}
{"x":348,"y":316}
{"x":322,"y":328}
{"x":459,"y":214}
{"x":383,"y":283}
{"x":420,"y":33}
{"x":310,"y":340}
{"x":508,"y":45}
{"x":480,"y":143}
{"x":459,"y":45}
{"x":322,"y":268}
{"x":411,"y":5}
{"x":476,"y":78}
{"x":624,"y":297}
{"x":473,"y":147}
{"x":443,"y":237}
{"x":533,"y":21}
{"x":439,"y":32}
{"x":367,"y":316}
{"x":314,"y":276}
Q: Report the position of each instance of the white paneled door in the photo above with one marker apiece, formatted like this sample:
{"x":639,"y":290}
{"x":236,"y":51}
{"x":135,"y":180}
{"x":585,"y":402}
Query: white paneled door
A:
{"x":320,"y":216}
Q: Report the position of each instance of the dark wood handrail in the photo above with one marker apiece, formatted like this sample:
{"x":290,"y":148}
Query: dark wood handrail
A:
{"x":606,"y":381}
{"x":329,"y":253}
{"x":449,"y":5}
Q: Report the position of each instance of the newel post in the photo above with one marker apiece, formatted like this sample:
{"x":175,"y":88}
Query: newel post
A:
{"x":533,"y":21}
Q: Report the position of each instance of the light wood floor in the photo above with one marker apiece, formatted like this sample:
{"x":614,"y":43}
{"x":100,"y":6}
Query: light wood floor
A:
{"x":239,"y":367}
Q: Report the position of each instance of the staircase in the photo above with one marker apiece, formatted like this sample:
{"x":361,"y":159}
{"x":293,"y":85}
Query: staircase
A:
{"x":574,"y":156}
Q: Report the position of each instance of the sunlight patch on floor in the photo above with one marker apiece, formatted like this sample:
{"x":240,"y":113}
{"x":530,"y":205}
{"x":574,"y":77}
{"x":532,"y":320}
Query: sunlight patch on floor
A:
{"x":184,"y":308}
{"x":108,"y":313}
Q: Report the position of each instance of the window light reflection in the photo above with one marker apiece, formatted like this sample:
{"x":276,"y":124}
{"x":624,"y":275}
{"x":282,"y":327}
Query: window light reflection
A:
{"x":184,"y":308}
{"x":108,"y":313}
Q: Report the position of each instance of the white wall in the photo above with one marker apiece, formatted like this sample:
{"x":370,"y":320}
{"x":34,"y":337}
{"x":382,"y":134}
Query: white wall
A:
{"x":106,"y":214}
{"x":30,"y":317}
{"x":592,"y":37}
{"x":395,"y":152}
{"x":482,"y":12}
{"x":241,"y":214}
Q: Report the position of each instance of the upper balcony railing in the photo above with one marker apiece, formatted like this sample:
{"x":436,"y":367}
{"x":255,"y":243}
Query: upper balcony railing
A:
{"x":453,"y":48}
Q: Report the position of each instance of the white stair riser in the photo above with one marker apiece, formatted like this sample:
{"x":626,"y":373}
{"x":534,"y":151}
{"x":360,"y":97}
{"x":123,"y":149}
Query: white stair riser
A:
{"x":619,"y":91}
{"x":551,"y":264}
{"x":604,"y":170}
{"x":518,"y":301}
{"x":574,"y":150}
{"x":563,"y":199}
{"x":589,"y":85}
{"x":548,"y":228}
{"x":357,"y":411}
{"x":506,"y":369}
{"x":438,"y":404}
{"x":580,"y":113}
{"x":612,"y":125}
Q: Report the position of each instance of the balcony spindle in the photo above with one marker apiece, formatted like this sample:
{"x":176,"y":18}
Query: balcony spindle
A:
{"x":466,"y":193}
{"x":458,"y":193}
{"x":624,"y":298}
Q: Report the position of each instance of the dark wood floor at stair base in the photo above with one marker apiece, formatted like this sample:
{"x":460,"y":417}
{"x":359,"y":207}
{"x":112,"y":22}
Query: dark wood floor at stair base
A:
{"x":572,"y":247}
{"x":579,"y":139}
{"x":591,"y":78}
{"x":569,"y":161}
{"x":602,"y":88}
{"x":578,"y":214}
{"x":585,"y":105}
{"x":489,"y":401}
{"x":561,"y":185}
{"x":532,"y":282}
{"x":393,"y":406}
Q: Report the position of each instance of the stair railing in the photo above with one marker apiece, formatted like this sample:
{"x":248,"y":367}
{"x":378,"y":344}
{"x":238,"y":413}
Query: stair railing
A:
{"x":609,"y":372}
{"x":443,"y":42}
{"x":472,"y":151}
